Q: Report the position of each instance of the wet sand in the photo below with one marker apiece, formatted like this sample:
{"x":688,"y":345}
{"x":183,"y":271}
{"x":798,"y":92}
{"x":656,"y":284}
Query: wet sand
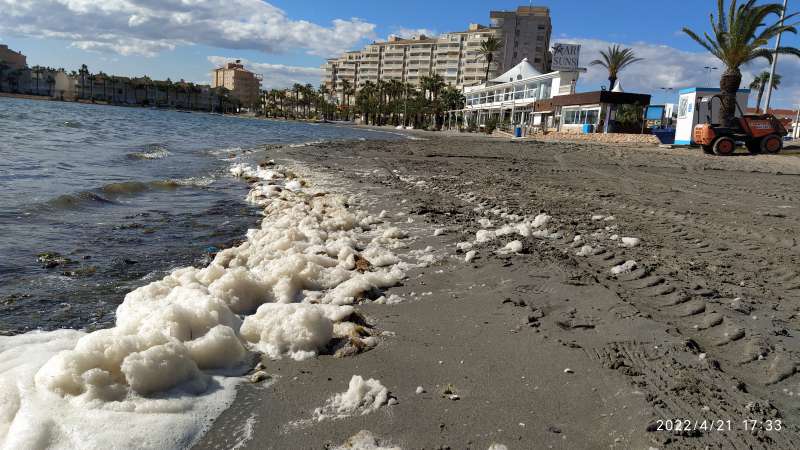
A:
{"x":545,"y":348}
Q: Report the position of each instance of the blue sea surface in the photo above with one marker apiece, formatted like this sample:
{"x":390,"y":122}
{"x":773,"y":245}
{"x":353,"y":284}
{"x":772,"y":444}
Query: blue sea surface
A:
{"x":118,"y":197}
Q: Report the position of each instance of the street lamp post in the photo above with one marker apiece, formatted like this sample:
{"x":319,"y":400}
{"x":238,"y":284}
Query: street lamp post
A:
{"x":775,"y":59}
{"x":708,"y":70}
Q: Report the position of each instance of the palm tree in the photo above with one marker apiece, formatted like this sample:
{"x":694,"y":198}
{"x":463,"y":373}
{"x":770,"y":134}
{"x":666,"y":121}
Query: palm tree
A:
{"x":760,"y":82}
{"x":488,"y":48}
{"x":738,"y":38}
{"x":346,"y":90}
{"x":614,"y":59}
{"x":37,"y":70}
{"x":84,"y":73}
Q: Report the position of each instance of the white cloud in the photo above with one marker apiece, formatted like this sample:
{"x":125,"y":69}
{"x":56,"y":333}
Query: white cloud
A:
{"x":147,"y":27}
{"x":668,"y":67}
{"x":277,"y":76}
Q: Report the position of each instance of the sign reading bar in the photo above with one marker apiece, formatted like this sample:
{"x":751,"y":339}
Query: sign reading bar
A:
{"x":566,"y":56}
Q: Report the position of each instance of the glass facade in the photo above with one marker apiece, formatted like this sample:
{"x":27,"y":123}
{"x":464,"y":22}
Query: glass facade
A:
{"x":580,"y":115}
{"x":532,"y":91}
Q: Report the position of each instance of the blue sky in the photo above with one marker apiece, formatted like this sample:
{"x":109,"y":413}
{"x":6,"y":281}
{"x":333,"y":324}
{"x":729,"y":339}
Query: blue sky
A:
{"x":170,"y":39}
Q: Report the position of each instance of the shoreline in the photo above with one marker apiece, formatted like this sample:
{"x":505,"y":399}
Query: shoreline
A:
{"x":590,"y":306}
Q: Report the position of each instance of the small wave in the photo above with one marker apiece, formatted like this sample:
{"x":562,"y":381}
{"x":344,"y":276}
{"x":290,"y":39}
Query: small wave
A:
{"x":151,"y":151}
{"x":135,"y":187}
{"x":194,"y":181}
{"x":307,"y":144}
{"x":109,"y":193}
{"x":71,"y":201}
{"x":225,"y":151}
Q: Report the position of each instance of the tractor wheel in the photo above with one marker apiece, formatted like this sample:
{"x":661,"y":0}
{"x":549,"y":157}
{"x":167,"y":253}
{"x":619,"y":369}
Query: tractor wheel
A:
{"x":753,"y":146}
{"x":771,"y":144}
{"x":708,"y":149}
{"x":724,"y":146}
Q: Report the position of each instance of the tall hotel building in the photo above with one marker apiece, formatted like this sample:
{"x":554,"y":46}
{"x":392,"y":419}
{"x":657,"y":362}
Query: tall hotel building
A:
{"x":525,"y":33}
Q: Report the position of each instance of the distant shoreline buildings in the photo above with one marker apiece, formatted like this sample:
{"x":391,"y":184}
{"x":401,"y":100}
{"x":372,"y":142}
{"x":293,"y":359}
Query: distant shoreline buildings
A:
{"x":233,"y":87}
{"x":242,"y":83}
{"x":525,"y":34}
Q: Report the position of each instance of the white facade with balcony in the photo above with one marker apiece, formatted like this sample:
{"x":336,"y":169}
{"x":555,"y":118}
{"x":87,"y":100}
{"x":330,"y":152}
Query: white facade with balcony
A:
{"x":511,"y":96}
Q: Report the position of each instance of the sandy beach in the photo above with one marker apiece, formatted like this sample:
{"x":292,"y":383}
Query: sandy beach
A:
{"x":662,"y":285}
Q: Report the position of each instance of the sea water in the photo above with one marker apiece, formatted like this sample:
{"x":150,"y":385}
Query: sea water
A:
{"x":113,"y":198}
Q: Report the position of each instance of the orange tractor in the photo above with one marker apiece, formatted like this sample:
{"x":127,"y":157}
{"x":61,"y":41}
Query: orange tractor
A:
{"x":760,"y":133}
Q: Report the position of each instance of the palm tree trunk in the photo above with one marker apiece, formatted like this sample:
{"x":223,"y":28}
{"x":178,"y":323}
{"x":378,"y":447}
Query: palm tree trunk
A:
{"x":729,"y":84}
{"x":612,"y":82}
{"x":761,"y":87}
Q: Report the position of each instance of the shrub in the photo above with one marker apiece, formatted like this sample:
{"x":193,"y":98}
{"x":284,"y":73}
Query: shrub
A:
{"x":491,"y":125}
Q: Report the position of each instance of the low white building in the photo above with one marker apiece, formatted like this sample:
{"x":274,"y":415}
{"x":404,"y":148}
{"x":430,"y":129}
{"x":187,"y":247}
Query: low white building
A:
{"x":511,"y":96}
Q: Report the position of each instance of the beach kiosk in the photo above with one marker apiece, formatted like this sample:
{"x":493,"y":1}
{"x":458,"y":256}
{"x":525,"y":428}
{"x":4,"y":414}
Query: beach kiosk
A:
{"x":693,"y":108}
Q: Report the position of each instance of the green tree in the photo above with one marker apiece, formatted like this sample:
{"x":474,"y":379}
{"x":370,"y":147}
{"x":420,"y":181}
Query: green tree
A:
{"x":347,"y":90}
{"x":615,"y":59}
{"x":84,"y":74}
{"x":487,"y":51}
{"x":739,"y":37}
{"x":760,"y":83}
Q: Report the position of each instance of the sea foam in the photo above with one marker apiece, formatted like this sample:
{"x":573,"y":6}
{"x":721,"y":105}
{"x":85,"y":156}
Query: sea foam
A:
{"x":171,"y":362}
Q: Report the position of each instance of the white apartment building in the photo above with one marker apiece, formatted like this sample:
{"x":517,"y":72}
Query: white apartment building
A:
{"x":455,"y":56}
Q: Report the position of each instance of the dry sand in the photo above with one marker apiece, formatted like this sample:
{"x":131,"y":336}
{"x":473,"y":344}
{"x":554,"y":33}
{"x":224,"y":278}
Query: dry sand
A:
{"x":547,"y":349}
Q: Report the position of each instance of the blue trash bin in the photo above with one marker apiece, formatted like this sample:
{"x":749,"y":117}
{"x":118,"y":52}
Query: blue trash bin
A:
{"x":518,"y":132}
{"x":587,"y":128}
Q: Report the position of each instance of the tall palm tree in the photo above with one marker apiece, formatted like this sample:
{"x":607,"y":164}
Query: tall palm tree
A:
{"x":37,"y":70}
{"x":346,"y":89}
{"x":84,"y":73}
{"x":487,"y":51}
{"x":740,"y":37}
{"x":760,"y":82}
{"x":615,"y":59}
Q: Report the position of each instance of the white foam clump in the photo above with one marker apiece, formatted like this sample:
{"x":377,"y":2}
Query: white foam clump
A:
{"x":630,"y":242}
{"x":390,"y":300}
{"x":170,"y":332}
{"x":296,"y":329}
{"x":484,"y":236}
{"x":540,"y":220}
{"x":585,"y":250}
{"x":497,"y":446}
{"x":463,"y":246}
{"x":511,"y":247}
{"x":625,"y":267}
{"x":365,"y":440}
{"x":438,"y":232}
{"x":34,"y":416}
{"x":470,"y":256}
{"x":362,"y":397}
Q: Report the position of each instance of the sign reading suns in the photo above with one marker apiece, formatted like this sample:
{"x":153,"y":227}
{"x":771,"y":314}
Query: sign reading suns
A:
{"x":565,"y":57}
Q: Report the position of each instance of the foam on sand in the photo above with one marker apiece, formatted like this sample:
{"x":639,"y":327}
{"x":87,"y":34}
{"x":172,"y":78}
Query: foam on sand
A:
{"x":625,"y":267}
{"x":629,"y":242}
{"x":365,"y":440}
{"x":361,"y":397}
{"x":171,"y":363}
